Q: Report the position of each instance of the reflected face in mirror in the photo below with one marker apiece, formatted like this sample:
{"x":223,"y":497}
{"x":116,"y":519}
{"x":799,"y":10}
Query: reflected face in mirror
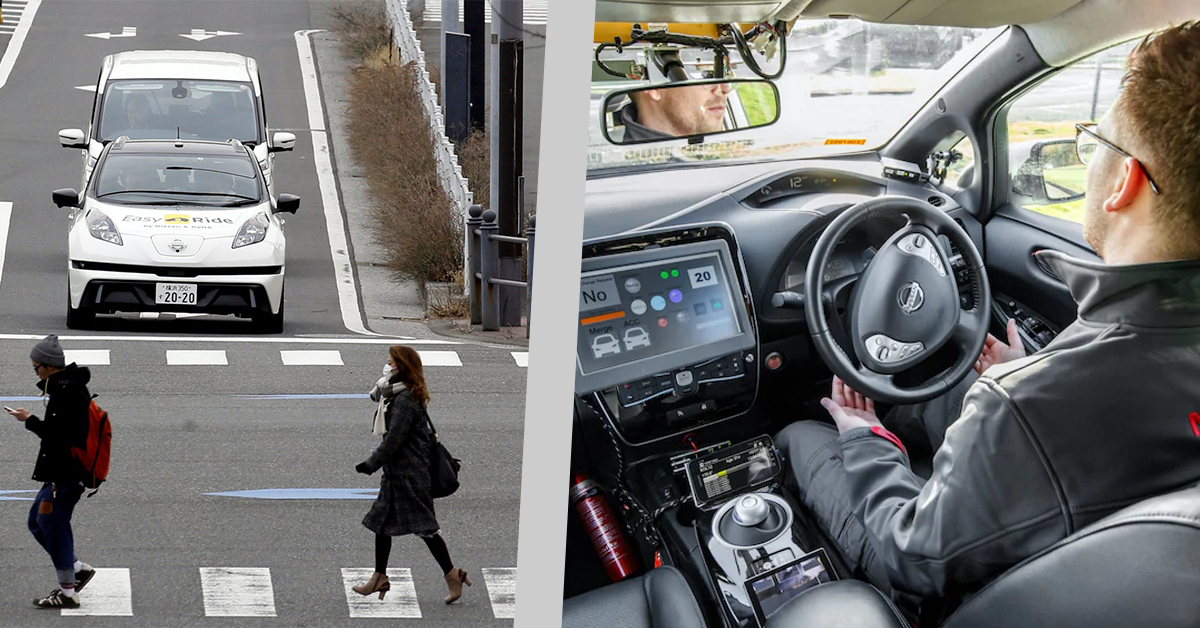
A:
{"x":683,"y":110}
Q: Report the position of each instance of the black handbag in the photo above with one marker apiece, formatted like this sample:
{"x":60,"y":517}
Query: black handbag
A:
{"x":443,"y":467}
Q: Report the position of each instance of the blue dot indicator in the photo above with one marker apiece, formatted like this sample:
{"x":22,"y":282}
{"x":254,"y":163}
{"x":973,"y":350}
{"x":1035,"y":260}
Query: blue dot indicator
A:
{"x":676,"y":296}
{"x":658,"y":303}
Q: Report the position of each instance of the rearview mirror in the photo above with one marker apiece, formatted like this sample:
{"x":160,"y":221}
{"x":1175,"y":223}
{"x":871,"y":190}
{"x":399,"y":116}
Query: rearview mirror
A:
{"x":287,"y":204}
{"x":1052,"y":172}
{"x":65,"y":197}
{"x":692,"y":110}
{"x":282,"y":142}
{"x":72,"y":138}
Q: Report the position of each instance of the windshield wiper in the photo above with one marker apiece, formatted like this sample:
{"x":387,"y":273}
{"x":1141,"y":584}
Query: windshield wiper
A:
{"x":232,"y":174}
{"x":242,"y":203}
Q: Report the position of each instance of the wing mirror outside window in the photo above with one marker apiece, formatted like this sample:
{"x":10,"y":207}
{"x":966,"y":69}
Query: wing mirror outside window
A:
{"x":1050,"y":173}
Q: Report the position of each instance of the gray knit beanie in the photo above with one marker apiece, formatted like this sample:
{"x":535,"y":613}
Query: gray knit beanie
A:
{"x":49,"y":352}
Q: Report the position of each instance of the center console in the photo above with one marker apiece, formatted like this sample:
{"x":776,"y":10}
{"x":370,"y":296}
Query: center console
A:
{"x":666,"y":339}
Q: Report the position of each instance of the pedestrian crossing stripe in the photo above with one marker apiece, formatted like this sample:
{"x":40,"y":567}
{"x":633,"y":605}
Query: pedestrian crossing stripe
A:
{"x":248,"y":592}
{"x":103,"y":357}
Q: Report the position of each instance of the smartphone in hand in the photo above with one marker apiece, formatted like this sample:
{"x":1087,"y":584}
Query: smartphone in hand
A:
{"x":9,"y":409}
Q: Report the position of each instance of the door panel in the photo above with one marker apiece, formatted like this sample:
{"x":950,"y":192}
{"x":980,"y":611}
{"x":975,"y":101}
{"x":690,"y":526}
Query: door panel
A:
{"x":1019,"y":282}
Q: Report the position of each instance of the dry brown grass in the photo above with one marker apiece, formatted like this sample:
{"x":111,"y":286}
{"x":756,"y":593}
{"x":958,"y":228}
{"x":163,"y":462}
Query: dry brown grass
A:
{"x":474,"y":154}
{"x":363,"y":28}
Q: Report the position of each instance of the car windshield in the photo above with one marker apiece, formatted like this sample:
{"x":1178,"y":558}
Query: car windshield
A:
{"x":158,"y":179}
{"x":849,"y":86}
{"x":170,"y":109}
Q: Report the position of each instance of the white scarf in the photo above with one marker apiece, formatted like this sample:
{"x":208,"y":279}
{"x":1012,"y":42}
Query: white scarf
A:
{"x":383,"y":392}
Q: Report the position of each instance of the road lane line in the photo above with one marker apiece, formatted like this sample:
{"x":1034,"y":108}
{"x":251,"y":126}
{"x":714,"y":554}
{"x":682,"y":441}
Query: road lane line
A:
{"x":18,"y":40}
{"x":522,"y":358}
{"x":357,"y":340}
{"x":109,"y":593}
{"x":87,"y":357}
{"x":400,"y":601}
{"x":311,"y":358}
{"x":439,"y":358}
{"x":197,"y":358}
{"x":237,"y":592}
{"x":339,"y":247}
{"x":502,"y":590}
{"x":5,"y":215}
{"x":285,"y":397}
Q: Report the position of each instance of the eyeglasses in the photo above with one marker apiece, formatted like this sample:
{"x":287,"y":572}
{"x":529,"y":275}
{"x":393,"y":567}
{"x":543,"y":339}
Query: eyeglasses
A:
{"x":1087,"y":142}
{"x":37,"y":368}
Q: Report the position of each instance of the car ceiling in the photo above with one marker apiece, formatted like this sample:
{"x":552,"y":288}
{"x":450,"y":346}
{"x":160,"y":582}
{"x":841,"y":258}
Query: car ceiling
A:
{"x":968,"y":13}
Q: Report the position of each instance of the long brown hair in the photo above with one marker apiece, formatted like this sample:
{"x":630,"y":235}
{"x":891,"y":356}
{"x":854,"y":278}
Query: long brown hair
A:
{"x":408,"y":368}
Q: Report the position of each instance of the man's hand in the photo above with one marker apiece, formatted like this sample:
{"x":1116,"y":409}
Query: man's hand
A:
{"x":848,"y":408}
{"x":363,"y":468}
{"x":20,"y":414}
{"x":996,"y":352}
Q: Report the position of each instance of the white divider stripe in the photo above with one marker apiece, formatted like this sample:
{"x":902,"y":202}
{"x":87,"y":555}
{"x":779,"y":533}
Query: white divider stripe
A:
{"x":502,"y":589}
{"x":108,"y":594}
{"x":522,"y":358}
{"x":311,"y":358}
{"x":439,"y":358}
{"x":14,"y":45}
{"x":237,"y":592}
{"x":400,"y":600}
{"x":87,"y":357}
{"x":5,"y":214}
{"x":193,"y":358}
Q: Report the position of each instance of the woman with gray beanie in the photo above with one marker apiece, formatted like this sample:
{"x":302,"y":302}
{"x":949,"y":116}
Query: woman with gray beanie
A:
{"x":65,"y":426}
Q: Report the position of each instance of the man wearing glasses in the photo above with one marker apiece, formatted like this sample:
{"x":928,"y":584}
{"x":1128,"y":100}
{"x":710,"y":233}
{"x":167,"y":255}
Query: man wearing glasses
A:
{"x":64,"y":426}
{"x":1105,"y":416}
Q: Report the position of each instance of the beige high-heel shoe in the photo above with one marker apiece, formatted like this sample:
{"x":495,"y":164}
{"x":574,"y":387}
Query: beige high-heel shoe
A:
{"x":378,"y":582}
{"x":455,"y":579}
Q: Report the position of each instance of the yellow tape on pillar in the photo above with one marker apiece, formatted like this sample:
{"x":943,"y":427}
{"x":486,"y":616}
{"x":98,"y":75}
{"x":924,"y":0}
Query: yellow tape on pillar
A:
{"x":607,"y":31}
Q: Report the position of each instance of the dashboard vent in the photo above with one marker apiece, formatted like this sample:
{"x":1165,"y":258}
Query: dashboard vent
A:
{"x":936,"y":201}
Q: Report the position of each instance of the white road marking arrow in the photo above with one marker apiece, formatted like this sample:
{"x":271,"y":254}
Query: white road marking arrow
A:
{"x":128,"y":31}
{"x":199,"y":34}
{"x":86,"y":88}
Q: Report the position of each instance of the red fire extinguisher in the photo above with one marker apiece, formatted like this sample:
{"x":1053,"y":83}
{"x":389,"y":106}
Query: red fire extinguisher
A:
{"x":602,"y":525}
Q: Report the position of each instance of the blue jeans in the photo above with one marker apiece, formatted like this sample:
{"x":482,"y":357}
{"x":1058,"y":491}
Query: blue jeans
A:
{"x":53,"y":529}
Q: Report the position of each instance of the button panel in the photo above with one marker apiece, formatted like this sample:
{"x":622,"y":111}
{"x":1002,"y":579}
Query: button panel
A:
{"x":683,"y":382}
{"x":920,"y":246}
{"x":886,"y":350}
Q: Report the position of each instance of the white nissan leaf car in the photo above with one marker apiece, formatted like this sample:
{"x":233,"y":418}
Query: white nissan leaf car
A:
{"x":176,"y":226}
{"x":186,"y":94}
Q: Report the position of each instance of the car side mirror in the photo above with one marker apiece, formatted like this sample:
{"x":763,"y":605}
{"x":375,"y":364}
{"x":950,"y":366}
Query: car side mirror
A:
{"x":1052,"y":174}
{"x":282,"y":141}
{"x":287,"y":203}
{"x":692,"y":110}
{"x":66,"y":197}
{"x":72,"y":138}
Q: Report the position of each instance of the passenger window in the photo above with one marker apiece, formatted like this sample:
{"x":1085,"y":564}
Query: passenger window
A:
{"x":961,"y":173}
{"x":1045,"y":173}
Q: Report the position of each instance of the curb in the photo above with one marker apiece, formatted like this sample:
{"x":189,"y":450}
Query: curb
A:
{"x":445,"y":327}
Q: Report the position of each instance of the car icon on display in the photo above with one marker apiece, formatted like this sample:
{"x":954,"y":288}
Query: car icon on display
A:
{"x":636,"y":337}
{"x":605,"y":344}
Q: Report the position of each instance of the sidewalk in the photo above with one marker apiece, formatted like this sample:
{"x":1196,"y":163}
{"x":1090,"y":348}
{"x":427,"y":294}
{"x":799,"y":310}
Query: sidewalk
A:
{"x":390,"y":306}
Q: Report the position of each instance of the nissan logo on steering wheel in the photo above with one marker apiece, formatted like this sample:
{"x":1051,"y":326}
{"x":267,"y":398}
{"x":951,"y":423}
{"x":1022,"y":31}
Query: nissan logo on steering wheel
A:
{"x":911,"y":297}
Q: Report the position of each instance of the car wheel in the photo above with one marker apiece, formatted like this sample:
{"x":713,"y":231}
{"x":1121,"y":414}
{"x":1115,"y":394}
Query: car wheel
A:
{"x":77,"y":318}
{"x":271,"y":323}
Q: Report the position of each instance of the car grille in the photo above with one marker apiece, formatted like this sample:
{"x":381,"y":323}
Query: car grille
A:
{"x":167,"y":271}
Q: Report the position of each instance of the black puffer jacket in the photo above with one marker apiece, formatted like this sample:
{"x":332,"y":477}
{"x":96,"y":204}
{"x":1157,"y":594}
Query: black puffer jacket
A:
{"x":65,"y":425}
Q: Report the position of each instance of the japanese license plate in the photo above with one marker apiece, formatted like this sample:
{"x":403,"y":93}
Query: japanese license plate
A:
{"x":175,"y":294}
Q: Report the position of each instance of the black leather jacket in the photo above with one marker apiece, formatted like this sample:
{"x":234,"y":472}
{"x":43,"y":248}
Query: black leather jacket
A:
{"x":65,"y":425}
{"x":1099,"y":419}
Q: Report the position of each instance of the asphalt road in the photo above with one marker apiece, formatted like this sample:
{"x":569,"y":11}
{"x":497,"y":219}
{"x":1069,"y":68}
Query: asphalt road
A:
{"x":248,"y":418}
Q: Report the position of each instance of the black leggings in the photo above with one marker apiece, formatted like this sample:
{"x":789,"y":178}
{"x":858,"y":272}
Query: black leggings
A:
{"x":435,"y":543}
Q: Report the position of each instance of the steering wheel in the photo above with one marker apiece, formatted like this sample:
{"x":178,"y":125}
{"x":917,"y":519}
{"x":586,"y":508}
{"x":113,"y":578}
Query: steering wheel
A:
{"x":905,"y":306}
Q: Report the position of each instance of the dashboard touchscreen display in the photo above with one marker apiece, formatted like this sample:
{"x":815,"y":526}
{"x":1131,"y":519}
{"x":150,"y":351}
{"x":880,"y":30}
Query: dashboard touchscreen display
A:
{"x":733,"y":470}
{"x":630,"y":313}
{"x":771,"y":590}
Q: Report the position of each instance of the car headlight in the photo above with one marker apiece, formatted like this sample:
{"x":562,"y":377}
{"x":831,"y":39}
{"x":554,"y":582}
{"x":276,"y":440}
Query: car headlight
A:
{"x":102,"y":227}
{"x":253,"y":231}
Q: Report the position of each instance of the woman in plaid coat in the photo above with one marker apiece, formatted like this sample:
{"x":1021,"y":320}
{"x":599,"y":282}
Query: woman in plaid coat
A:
{"x":404,"y":505}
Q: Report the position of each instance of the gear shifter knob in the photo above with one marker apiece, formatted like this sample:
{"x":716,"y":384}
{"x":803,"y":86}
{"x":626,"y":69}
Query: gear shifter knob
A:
{"x":750,"y":510}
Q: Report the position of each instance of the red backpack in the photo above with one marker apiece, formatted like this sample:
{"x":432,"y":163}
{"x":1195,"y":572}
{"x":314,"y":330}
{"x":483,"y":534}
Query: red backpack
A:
{"x":94,"y":456}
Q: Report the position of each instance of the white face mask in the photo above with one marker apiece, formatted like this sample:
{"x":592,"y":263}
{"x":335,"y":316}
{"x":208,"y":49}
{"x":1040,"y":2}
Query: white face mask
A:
{"x":387,"y":370}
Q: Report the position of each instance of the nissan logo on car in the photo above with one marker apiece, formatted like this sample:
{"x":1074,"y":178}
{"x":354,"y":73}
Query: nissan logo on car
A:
{"x":911,"y":297}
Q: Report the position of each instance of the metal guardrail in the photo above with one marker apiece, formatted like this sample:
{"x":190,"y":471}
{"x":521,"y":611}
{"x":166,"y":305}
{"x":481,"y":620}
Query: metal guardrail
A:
{"x":449,"y":171}
{"x":483,"y":270}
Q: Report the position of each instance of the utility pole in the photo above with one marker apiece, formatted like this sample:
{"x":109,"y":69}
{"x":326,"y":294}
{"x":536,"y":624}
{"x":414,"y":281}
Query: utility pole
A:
{"x":508,"y":26}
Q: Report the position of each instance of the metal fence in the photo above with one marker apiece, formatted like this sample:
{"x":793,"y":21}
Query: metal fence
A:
{"x":448,"y":169}
{"x":483,"y":270}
